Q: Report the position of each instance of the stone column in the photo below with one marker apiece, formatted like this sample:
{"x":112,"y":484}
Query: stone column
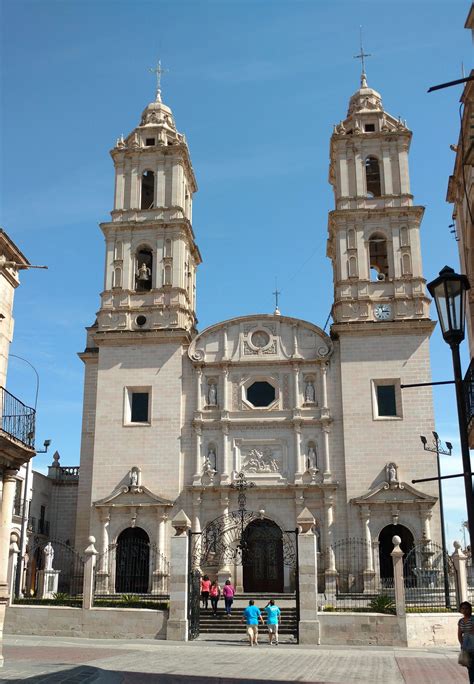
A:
{"x":177,"y":627}
{"x":88,"y":587}
{"x":198,"y":371}
{"x":197,"y":453}
{"x":226,"y":466}
{"x":309,"y":632}
{"x":299,"y":457}
{"x":196,"y":528}
{"x":14,"y":558}
{"x":330,"y":572}
{"x":397,"y":558}
{"x":102,"y":574}
{"x":426,"y":524}
{"x":296,"y":386}
{"x":225,"y":389}
{"x":327,"y":460}
{"x":324,"y":385}
{"x":6,"y":513}
{"x":387,"y":170}
{"x":224,"y":572}
{"x":459,"y":560}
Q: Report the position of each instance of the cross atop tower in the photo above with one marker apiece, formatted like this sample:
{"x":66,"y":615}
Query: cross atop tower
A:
{"x":277,"y":294}
{"x":362,"y":55}
{"x":158,"y":70}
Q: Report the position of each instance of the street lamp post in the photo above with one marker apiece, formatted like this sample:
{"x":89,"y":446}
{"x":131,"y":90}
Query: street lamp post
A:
{"x":438,"y":449}
{"x":449,"y":292}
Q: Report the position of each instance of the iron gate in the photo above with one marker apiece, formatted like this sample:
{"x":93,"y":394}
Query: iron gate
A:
{"x":194,"y":592}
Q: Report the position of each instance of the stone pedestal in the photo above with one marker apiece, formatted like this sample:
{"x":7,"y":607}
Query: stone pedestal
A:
{"x":459,"y":560}
{"x":309,"y":626}
{"x":47,"y":583}
{"x":177,"y":627}
{"x":102,"y":582}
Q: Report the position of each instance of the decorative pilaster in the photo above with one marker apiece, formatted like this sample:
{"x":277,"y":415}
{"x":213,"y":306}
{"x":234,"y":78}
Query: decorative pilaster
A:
{"x":299,"y":457}
{"x":309,"y":632}
{"x":226,"y":466}
{"x":397,"y":558}
{"x":8,"y":496}
{"x":197,"y":453}
{"x":296,"y":386}
{"x":225,"y":389}
{"x":90,"y":554}
{"x":324,"y":386}
{"x":198,"y":372}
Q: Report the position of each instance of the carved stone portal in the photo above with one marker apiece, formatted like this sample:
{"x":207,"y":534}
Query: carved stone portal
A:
{"x":261,"y":461}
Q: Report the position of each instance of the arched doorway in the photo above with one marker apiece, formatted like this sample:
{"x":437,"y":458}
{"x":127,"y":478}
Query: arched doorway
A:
{"x":132,"y":561}
{"x":263,"y":557}
{"x":386,"y":547}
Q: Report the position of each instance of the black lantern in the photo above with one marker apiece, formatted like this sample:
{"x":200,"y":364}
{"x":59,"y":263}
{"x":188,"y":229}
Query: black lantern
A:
{"x":449,"y":292}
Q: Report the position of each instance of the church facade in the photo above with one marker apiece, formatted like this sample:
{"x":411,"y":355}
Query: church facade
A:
{"x":172,"y":415}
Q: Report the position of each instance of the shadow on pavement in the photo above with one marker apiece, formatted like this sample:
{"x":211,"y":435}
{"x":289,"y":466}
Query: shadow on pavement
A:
{"x":72,"y":675}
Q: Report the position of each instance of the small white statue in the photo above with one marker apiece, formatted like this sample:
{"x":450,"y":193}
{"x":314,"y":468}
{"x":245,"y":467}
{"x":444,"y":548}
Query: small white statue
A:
{"x":211,"y":458}
{"x":134,"y":477}
{"x":144,"y":272}
{"x":48,"y":552}
{"x":311,"y":457}
{"x":391,"y":473}
{"x":212,"y":395}
{"x":309,"y":393}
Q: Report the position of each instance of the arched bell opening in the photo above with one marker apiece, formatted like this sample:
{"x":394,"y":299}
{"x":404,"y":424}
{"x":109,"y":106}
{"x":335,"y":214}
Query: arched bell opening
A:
{"x":132,"y":561}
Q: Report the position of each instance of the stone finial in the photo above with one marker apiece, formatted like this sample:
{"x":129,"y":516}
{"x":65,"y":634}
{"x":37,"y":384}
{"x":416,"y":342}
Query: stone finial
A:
{"x":56,"y":457}
{"x":397,"y":551}
{"x":91,"y":550}
{"x":306,"y":521}
{"x":458,"y":550}
{"x":181,"y":523}
{"x":14,"y":548}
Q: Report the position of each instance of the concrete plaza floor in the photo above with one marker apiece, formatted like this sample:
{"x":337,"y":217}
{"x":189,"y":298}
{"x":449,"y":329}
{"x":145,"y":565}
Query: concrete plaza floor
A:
{"x":61,"y":660}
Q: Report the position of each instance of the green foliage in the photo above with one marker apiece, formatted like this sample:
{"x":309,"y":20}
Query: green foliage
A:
{"x":129,"y":598}
{"x":61,"y":596}
{"x":328,"y":609}
{"x":68,"y":601}
{"x":383,"y":604}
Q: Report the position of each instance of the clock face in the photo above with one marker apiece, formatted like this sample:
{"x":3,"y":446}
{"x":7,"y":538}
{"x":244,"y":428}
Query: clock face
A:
{"x":382,"y":312}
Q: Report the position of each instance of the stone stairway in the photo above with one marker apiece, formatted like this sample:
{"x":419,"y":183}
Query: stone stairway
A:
{"x":222,"y":624}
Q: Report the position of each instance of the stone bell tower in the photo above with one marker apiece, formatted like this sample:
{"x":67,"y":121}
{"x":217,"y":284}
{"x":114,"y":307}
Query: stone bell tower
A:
{"x":151,"y":255}
{"x":374,"y":240}
{"x":381,"y":317}
{"x":136,"y":413}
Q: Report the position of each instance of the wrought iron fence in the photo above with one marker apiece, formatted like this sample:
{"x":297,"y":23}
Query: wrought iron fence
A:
{"x":430,"y":578}
{"x":51,"y":570}
{"x":131,"y":570}
{"x":352,"y":578}
{"x":18,"y":420}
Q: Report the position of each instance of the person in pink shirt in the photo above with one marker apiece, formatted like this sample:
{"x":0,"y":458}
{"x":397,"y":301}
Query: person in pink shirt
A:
{"x":228,"y":591}
{"x":205,"y":588}
{"x":214,"y":593}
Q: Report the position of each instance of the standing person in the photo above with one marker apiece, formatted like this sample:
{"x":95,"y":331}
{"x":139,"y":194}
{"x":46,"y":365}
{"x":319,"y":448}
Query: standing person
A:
{"x":273,"y":620}
{"x":251,"y":617}
{"x":228,"y":591}
{"x":214,"y":593}
{"x":205,"y":587}
{"x":466,"y":636}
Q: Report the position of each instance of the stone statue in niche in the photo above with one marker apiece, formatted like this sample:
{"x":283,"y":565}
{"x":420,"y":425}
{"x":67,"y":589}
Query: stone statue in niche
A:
{"x":48,"y":552}
{"x":309,"y":393}
{"x":211,"y":458}
{"x":134,"y":477}
{"x":391,"y":473}
{"x":144,"y":272}
{"x":212,"y":394}
{"x":312,"y":458}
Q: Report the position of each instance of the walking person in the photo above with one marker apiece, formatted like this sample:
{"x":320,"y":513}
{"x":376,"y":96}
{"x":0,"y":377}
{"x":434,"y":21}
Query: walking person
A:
{"x":205,"y":587}
{"x":251,"y":617}
{"x":466,"y":639}
{"x":273,"y":620}
{"x":214,"y":594}
{"x":228,"y":592}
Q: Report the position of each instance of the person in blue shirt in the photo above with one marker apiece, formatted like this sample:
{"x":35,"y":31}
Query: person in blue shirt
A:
{"x":273,"y":620}
{"x":251,"y":617}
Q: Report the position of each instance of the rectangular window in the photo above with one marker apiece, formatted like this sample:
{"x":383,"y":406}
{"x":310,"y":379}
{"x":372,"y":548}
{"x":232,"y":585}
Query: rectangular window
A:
{"x":149,"y":142}
{"x":139,"y":412}
{"x":369,"y":128}
{"x":387,"y":399}
{"x":137,"y":406}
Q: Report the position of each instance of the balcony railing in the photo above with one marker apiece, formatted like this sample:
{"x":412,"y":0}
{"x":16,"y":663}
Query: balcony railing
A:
{"x":18,"y":420}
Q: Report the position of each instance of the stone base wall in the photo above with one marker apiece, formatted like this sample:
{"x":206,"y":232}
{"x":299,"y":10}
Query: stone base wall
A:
{"x":361,"y":629}
{"x":432,"y":629}
{"x":98,"y":623}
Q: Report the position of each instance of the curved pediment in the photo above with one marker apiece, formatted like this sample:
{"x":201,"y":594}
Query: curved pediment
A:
{"x":260,"y":338}
{"x":398,"y":492}
{"x":132,"y":495}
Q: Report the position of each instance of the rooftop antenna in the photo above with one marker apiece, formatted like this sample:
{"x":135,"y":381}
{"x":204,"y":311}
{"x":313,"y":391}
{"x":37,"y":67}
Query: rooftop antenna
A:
{"x":159,"y":71}
{"x":362,"y":55}
{"x":277,"y":294}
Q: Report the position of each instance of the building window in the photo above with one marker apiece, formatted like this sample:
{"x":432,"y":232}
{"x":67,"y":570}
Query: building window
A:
{"x":369,"y":128}
{"x":149,"y":142}
{"x":148,"y":190}
{"x":387,"y":399}
{"x":261,"y":394}
{"x":372,"y":177}
{"x":137,"y":406}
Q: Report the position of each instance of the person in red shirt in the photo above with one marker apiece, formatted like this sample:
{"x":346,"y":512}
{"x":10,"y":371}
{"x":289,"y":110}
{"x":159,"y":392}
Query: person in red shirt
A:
{"x":214,"y":593}
{"x":205,"y":588}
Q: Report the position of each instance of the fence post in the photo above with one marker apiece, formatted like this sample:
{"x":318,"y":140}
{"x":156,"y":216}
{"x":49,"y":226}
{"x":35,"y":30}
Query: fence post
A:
{"x":177,"y":627}
{"x":397,"y":558}
{"x":308,"y":579}
{"x":459,"y":559}
{"x":89,"y":566}
{"x":13,"y":559}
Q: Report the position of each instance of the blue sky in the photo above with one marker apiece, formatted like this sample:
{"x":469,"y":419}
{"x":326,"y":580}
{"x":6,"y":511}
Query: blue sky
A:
{"x":256,"y":87}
